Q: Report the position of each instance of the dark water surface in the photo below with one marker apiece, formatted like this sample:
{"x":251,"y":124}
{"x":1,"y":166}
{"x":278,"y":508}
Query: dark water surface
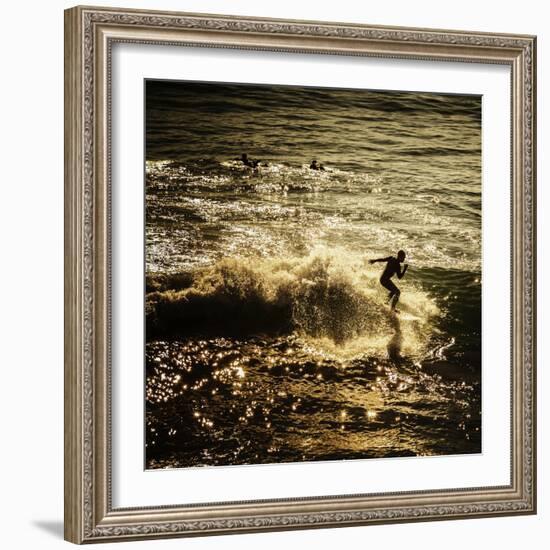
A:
{"x":269,"y":338}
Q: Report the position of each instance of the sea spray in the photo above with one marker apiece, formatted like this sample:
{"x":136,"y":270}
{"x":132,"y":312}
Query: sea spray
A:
{"x":325,"y":296}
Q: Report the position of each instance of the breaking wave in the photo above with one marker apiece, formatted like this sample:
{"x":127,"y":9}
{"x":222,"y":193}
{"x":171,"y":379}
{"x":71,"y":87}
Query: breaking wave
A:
{"x":330,"y":298}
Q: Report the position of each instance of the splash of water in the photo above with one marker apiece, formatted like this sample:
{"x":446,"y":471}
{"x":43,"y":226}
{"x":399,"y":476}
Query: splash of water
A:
{"x":330,"y":298}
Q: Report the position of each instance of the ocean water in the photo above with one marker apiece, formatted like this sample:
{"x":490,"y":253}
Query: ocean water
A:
{"x":269,"y":338}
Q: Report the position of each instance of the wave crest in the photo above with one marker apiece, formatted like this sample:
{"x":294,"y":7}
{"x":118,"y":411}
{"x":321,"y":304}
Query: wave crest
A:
{"x":325,"y":296}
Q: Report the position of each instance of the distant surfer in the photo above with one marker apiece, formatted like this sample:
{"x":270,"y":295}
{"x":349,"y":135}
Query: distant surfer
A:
{"x":249,"y":162}
{"x":393,"y":267}
{"x":315,"y":166}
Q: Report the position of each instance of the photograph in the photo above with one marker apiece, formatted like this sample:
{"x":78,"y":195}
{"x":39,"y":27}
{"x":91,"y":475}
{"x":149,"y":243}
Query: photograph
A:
{"x":300,"y":272}
{"x":313,"y":274}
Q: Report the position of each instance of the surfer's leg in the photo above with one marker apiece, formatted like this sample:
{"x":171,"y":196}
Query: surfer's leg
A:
{"x":386,"y":283}
{"x":393,"y":296}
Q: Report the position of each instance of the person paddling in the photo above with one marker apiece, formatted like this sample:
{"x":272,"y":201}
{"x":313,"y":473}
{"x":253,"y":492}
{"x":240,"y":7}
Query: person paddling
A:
{"x":393,"y":267}
{"x":315,"y":166}
{"x":248,"y":162}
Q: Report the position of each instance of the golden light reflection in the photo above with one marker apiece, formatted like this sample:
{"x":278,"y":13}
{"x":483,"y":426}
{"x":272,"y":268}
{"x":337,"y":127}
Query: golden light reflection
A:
{"x":357,"y":407}
{"x":239,"y":371}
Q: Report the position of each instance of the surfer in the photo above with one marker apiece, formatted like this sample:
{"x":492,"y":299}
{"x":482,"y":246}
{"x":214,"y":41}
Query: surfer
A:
{"x":249,"y":162}
{"x":315,"y":166}
{"x":393,"y":267}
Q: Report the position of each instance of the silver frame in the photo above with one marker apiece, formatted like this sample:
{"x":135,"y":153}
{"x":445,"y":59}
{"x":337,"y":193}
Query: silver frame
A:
{"x":89,"y":36}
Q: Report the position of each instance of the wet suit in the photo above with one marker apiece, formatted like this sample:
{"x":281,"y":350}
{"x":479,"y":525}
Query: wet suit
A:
{"x":393,"y":267}
{"x":248,"y":162}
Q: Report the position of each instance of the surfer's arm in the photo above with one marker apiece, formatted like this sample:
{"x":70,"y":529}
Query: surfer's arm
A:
{"x":380,"y":260}
{"x":401,"y":273}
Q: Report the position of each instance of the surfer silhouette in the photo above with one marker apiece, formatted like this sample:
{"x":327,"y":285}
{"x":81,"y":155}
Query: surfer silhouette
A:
{"x":315,"y":166}
{"x":393,"y":267}
{"x":248,"y":162}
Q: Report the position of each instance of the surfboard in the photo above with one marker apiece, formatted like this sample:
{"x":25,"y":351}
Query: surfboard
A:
{"x":405,"y":316}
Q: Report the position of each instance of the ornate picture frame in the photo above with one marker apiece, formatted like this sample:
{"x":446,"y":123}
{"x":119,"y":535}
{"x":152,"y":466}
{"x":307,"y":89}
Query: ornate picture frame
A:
{"x":90,"y":34}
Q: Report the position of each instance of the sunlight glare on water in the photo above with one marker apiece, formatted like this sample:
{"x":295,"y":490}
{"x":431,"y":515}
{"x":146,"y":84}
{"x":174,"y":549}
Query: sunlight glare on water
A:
{"x":269,"y":336}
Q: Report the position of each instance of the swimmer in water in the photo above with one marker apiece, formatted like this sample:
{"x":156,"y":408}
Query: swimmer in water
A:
{"x":315,"y":166}
{"x":248,"y":162}
{"x":393,"y":267}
